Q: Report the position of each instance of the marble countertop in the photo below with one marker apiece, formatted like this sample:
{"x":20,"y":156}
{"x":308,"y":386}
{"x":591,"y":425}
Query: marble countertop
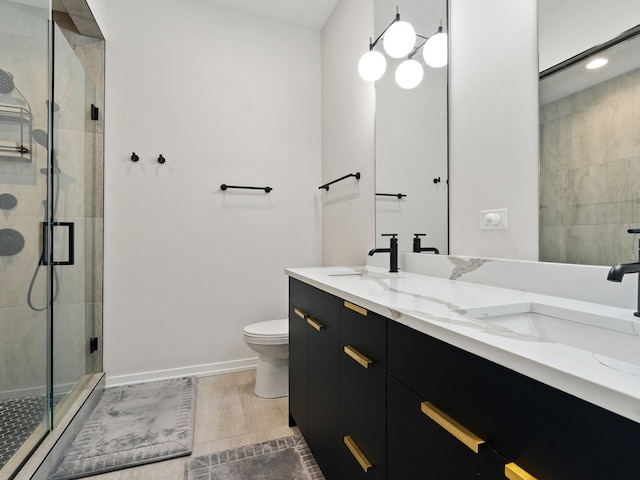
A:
{"x":603,"y":367}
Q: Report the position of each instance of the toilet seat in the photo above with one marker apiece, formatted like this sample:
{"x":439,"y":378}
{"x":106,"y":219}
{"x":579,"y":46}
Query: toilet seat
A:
{"x":270,"y":332}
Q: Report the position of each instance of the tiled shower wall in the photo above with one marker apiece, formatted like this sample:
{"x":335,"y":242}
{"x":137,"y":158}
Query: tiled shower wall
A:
{"x":590,"y":174}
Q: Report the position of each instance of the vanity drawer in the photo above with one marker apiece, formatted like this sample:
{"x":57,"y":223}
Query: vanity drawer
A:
{"x":315,"y":303}
{"x":365,"y":331}
{"x":549,"y":433}
{"x":363,"y":406}
{"x":418,"y":447}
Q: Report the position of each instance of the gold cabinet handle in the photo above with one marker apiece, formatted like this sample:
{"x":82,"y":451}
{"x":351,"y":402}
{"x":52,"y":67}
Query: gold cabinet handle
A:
{"x":315,"y":324}
{"x":300,"y":313}
{"x":356,"y":308}
{"x":514,"y":472}
{"x":454,"y":428}
{"x":357,"y":453}
{"x":357,"y":356}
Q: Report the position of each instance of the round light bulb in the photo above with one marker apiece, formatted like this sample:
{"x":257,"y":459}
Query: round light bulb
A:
{"x":409,"y":74}
{"x":372,"y":66}
{"x":435,"y":50}
{"x":399,"y":39}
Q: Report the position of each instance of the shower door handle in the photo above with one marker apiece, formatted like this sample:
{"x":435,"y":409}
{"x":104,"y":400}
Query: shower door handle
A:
{"x":70,"y":245}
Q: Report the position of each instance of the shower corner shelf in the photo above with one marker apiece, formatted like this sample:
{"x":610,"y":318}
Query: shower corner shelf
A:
{"x":16,"y":124}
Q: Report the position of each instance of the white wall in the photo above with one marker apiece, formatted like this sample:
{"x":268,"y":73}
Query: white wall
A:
{"x":493,"y":121}
{"x":348,"y":111}
{"x":226,"y":98}
{"x":216,"y":92}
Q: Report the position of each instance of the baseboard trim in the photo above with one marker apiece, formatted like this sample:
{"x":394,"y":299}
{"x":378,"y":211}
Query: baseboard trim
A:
{"x":194,"y":370}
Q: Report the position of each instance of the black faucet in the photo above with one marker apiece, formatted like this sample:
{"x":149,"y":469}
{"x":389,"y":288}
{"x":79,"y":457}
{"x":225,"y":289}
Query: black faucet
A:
{"x":416,"y":245}
{"x":621,"y":269}
{"x":392,"y":250}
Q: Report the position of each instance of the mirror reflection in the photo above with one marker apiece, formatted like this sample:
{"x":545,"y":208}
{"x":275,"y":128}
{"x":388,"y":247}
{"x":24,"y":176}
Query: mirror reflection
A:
{"x":411,"y":137}
{"x":590,"y":150}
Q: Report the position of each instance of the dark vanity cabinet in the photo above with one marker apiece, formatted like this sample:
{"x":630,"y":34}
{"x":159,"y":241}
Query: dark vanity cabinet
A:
{"x":337,"y":382}
{"x":298,"y":372}
{"x":546,"y":432}
{"x":418,"y":447}
{"x":314,"y":362}
{"x":376,"y":399}
{"x":363,"y":406}
{"x":433,"y":429}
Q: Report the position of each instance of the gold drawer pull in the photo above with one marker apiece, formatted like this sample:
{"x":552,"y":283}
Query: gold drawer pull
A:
{"x":300,"y":313}
{"x":514,"y":472}
{"x":454,"y":428}
{"x":357,"y":453}
{"x":357,"y":356}
{"x":315,"y":324}
{"x":356,"y":308}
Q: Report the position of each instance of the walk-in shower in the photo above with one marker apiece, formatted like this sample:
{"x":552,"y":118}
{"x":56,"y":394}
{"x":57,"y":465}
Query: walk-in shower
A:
{"x":51,"y":80}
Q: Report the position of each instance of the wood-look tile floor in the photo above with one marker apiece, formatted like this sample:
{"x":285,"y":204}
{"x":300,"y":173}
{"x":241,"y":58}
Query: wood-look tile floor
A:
{"x":228,"y":415}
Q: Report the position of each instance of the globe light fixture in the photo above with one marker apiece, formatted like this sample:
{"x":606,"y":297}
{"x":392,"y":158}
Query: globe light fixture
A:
{"x":399,"y":39}
{"x":434,"y":51}
{"x":409,"y":74}
{"x":372,"y":66}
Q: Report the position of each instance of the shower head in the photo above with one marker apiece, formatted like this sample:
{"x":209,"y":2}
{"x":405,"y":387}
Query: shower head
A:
{"x":40,"y":136}
{"x":6,"y":82}
{"x":56,"y":107}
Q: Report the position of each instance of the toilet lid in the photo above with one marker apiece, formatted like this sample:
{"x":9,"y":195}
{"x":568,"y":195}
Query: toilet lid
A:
{"x":279,"y":328}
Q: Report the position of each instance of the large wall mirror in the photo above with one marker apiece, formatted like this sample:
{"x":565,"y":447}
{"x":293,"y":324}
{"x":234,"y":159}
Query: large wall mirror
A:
{"x":411,"y":138}
{"x":589,"y":131}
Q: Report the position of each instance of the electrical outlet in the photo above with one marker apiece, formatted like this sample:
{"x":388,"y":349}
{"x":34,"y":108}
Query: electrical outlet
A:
{"x":493,"y":219}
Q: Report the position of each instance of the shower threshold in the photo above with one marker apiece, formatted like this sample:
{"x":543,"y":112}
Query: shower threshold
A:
{"x":47,"y":454}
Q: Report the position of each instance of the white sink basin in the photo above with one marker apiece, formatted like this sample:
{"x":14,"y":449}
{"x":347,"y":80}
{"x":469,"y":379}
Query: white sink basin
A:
{"x":599,"y":334}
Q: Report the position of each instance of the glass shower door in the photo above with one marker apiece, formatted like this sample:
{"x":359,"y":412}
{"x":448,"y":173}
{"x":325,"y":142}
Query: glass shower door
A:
{"x":24,"y":286}
{"x":73,"y":161}
{"x":50,"y":220}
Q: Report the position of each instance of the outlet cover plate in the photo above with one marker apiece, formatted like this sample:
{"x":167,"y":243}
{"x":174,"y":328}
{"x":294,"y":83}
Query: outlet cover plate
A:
{"x":489,"y":219}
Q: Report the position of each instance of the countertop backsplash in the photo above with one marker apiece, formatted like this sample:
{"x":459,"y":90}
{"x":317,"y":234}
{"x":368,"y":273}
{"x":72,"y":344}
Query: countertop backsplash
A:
{"x":586,"y":283}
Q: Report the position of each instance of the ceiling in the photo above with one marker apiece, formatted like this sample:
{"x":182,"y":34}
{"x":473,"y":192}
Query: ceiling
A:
{"x":623,"y":58}
{"x":306,"y":13}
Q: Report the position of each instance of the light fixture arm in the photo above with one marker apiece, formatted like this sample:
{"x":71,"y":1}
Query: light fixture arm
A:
{"x":417,"y":49}
{"x":396,"y":19}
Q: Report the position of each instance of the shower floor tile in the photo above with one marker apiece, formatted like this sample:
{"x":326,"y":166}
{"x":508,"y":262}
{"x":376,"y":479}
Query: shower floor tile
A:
{"x":19,"y":417}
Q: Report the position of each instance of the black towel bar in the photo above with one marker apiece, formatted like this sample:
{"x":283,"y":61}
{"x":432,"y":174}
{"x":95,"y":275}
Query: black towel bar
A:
{"x":224,"y":186}
{"x":399,"y":195}
{"x":326,"y":185}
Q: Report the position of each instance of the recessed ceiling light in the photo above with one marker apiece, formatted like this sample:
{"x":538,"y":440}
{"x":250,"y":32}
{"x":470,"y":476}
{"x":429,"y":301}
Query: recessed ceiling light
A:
{"x":597,"y":63}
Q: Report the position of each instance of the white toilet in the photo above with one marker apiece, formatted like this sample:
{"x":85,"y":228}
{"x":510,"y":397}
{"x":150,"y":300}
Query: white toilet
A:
{"x":270,"y":340}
